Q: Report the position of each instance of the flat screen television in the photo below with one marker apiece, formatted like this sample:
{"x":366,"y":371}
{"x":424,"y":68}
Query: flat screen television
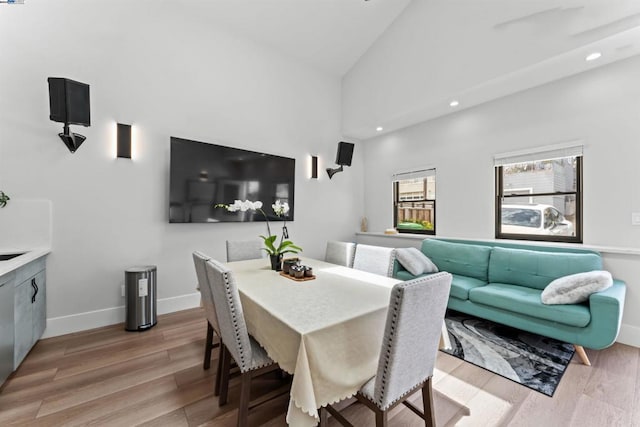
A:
{"x":202,"y":175}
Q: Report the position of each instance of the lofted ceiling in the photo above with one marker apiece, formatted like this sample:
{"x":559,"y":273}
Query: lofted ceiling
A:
{"x":402,"y":61}
{"x":475,"y":51}
{"x":328,"y":34}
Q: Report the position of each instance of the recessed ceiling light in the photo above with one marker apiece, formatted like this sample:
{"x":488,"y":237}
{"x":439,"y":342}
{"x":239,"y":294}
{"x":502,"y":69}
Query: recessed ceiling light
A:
{"x":454,"y":103}
{"x":593,"y":56}
{"x":379,"y":128}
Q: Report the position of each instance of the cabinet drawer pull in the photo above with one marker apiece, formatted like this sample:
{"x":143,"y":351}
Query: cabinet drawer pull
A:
{"x":34,"y":285}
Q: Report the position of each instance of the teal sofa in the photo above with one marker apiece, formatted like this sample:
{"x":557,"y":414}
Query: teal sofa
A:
{"x":502,"y":282}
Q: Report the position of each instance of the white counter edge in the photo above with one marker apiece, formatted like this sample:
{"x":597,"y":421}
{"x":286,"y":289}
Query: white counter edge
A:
{"x":19,"y":261}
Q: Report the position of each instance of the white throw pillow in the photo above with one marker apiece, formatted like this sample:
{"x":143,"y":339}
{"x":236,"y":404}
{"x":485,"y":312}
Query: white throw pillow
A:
{"x":415,"y":261}
{"x":576,"y":288}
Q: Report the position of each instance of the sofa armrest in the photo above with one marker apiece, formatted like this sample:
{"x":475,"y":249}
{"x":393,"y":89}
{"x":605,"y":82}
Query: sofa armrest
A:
{"x":606,"y":314}
{"x":614,"y":295}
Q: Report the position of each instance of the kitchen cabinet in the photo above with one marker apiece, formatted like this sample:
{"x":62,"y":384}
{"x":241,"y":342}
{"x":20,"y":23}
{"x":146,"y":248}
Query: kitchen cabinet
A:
{"x":6,"y":325}
{"x":29,"y":308}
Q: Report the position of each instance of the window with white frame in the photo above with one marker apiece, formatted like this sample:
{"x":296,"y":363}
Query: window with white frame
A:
{"x":539,"y":194}
{"x":414,"y":201}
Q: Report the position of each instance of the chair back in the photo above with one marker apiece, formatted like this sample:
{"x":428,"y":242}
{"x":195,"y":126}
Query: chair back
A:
{"x":233,"y":328}
{"x":200,"y":260}
{"x":374,"y":259}
{"x":340,"y":253}
{"x":240,"y":250}
{"x":411,"y":336}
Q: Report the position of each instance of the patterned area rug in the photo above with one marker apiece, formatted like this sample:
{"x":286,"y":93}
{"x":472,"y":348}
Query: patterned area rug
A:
{"x":531,"y":360}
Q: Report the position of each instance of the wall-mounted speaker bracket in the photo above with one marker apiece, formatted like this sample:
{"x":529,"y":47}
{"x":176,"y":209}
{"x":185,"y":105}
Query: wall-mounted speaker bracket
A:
{"x":332,"y":172}
{"x":72,"y":140}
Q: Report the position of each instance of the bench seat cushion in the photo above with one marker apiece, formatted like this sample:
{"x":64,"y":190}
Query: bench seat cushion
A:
{"x":525,"y":300}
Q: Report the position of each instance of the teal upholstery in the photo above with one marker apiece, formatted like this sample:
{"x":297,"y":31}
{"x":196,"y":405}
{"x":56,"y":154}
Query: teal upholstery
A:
{"x":507,"y":287}
{"x":536,"y":269}
{"x":527,"y":301}
{"x":465,"y":260}
{"x":461,"y":285}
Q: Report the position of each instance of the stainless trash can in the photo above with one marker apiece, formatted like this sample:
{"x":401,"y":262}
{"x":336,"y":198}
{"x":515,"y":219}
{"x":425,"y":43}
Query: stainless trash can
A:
{"x":140,"y":297}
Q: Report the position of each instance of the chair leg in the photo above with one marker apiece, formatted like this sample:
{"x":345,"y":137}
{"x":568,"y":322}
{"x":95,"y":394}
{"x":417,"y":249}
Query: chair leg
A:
{"x":381,"y":419}
{"x":324,"y":417}
{"x":207,"y":347}
{"x":245,"y":397}
{"x":216,"y":391}
{"x":224,"y":376}
{"x":427,"y":404}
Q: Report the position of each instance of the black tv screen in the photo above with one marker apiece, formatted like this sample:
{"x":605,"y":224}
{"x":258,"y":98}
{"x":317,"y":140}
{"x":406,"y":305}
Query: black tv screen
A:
{"x":203,"y":175}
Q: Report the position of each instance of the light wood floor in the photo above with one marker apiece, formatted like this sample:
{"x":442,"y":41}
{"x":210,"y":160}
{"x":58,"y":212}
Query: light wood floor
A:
{"x":109,"y":377}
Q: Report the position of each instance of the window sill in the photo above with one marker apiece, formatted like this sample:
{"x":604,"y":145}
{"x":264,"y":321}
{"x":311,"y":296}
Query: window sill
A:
{"x":601,"y":249}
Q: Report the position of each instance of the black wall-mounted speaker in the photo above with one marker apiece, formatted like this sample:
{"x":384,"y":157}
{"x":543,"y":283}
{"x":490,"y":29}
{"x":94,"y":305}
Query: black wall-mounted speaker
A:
{"x":69,"y":101}
{"x":345,"y":153}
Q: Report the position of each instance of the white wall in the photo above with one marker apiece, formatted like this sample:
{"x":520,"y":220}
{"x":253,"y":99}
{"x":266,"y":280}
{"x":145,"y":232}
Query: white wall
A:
{"x":599,"y":107}
{"x":149,"y":66}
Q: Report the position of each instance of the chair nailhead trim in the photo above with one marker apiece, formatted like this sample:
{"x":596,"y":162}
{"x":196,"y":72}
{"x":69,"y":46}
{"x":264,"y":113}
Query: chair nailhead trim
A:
{"x":241,"y":350}
{"x":399,"y":292}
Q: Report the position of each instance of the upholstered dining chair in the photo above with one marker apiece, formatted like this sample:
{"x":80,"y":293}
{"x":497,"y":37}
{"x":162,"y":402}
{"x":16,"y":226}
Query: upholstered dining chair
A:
{"x":340,"y":253}
{"x":374,"y":259}
{"x":409,"y":349}
{"x":240,"y":250}
{"x":251,"y":358}
{"x":199,"y":260}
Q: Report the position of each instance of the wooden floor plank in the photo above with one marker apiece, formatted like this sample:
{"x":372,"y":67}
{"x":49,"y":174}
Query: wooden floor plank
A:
{"x":85,"y":413}
{"x":613,"y":380}
{"x":107,"y":387}
{"x":55,"y":387}
{"x":176,"y":418}
{"x":110,"y":377}
{"x":593,"y":412}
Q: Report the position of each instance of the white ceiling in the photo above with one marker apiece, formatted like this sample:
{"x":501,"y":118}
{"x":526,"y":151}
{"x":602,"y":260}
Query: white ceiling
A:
{"x":329,"y":34}
{"x":474,"y":50}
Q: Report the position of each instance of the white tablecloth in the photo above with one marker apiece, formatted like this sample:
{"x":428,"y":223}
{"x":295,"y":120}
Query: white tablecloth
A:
{"x":326,"y":332}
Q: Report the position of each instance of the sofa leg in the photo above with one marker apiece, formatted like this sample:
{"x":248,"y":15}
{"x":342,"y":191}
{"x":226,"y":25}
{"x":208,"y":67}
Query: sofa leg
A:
{"x":582,"y":354}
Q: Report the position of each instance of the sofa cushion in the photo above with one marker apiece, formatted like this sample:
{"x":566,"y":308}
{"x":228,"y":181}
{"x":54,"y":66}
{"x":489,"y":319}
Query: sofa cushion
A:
{"x":415,"y":261}
{"x":576,"y":288}
{"x":405,"y":275}
{"x":525,"y":300}
{"x":535,"y":269}
{"x":458,"y":258}
{"x":461,"y":285}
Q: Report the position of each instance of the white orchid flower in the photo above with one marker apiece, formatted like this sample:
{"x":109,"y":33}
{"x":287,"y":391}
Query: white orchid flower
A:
{"x":257,"y":204}
{"x":237,"y":204}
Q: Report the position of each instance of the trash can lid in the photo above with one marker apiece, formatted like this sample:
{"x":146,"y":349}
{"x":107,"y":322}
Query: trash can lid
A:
{"x":141,"y":269}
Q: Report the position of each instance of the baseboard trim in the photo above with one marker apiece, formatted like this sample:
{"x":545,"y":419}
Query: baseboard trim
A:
{"x":629,"y":335}
{"x":110,"y":316}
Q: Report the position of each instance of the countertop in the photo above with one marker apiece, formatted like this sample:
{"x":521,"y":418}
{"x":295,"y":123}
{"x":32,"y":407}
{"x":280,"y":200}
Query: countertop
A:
{"x":19,"y":261}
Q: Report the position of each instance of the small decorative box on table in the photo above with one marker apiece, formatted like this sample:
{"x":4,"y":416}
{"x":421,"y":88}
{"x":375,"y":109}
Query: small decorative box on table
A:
{"x":297,"y":279}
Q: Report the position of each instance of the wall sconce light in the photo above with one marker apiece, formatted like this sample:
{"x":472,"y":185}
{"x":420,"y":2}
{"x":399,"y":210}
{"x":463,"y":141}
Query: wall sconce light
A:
{"x":124,"y":141}
{"x":343,"y":157}
{"x":314,"y":167}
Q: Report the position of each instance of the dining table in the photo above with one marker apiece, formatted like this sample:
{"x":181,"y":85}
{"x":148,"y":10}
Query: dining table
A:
{"x":327,"y":332}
